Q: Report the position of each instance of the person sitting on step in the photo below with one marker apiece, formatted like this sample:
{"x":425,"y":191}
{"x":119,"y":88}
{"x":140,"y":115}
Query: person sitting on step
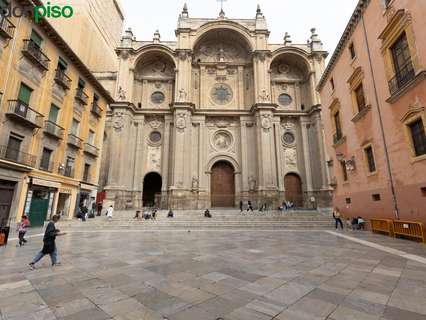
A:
{"x":207,"y":214}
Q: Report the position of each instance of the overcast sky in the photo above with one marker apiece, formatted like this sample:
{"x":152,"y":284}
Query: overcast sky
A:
{"x":294,"y":16}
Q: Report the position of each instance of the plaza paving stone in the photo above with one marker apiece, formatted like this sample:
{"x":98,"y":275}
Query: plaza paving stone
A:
{"x":204,"y":275}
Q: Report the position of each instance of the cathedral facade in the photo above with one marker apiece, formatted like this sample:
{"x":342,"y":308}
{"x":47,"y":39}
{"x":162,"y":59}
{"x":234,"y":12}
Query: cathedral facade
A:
{"x":216,"y":117}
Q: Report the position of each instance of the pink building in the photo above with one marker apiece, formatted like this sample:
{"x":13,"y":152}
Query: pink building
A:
{"x":374,"y":99}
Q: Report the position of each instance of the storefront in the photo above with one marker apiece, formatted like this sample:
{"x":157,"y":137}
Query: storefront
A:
{"x":40,"y":200}
{"x":86,"y":197}
{"x":7,"y":190}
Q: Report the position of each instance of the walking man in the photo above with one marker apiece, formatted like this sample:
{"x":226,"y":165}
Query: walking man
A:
{"x":249,"y":206}
{"x":241,"y":206}
{"x":49,"y":244}
{"x":337,"y":219}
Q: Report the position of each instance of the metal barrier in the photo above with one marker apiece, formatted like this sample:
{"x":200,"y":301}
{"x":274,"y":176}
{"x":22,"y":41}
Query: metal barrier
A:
{"x":409,"y":229}
{"x":382,"y":226}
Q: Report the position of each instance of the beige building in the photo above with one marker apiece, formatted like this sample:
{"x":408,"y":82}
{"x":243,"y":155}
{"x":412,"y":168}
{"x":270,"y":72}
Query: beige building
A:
{"x":93,"y":32}
{"x":52,"y":116}
{"x":217,"y":116}
{"x":374,"y":97}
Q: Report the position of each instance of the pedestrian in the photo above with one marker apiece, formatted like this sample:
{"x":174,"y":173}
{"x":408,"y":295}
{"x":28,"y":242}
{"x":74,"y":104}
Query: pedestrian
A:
{"x":110,"y":211}
{"x":22,"y":229}
{"x":249,"y":206}
{"x":170,"y":214}
{"x":241,"y":206}
{"x":99,"y":209}
{"x":154,"y":214}
{"x":337,"y":219}
{"x":137,"y":215}
{"x":207,"y":214}
{"x":49,"y":243}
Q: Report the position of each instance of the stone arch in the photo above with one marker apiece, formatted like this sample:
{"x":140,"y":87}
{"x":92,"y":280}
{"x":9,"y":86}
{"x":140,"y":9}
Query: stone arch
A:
{"x":291,"y":80}
{"x":226,"y":25}
{"x":146,"y":50}
{"x":223,"y":157}
{"x":154,"y":78}
{"x":152,"y":183}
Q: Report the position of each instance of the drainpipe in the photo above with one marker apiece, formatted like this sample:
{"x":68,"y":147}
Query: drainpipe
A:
{"x":382,"y":131}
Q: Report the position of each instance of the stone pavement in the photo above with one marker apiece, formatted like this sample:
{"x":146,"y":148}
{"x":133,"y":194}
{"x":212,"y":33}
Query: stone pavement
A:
{"x":203,"y":275}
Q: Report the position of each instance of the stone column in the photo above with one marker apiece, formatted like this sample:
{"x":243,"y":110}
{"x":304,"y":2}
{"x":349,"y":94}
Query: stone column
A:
{"x":138,"y":160}
{"x":304,"y":123}
{"x":262,"y":85}
{"x":318,"y":126}
{"x":279,"y":159}
{"x":183,"y":76}
{"x":243,"y":151}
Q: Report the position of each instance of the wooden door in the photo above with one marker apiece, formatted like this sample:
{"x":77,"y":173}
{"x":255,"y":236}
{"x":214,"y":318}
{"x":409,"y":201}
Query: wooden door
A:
{"x":293,"y":189}
{"x":222,"y":185}
{"x":6,"y":196}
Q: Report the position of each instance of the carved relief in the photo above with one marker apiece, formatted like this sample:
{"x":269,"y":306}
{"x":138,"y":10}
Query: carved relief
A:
{"x":154,"y":159}
{"x":154,"y":122}
{"x":195,"y":183}
{"x":222,"y":140}
{"x":266,"y":122}
{"x":214,"y":52}
{"x":118,"y":122}
{"x":180,"y":121}
{"x":182,"y":95}
{"x":290,"y":158}
{"x":121,"y":94}
{"x":264,"y":96}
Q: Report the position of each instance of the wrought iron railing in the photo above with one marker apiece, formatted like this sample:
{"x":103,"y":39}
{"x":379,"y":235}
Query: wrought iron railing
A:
{"x":20,"y":111}
{"x":17,"y":156}
{"x":47,"y":166}
{"x":7,"y":28}
{"x":402,"y":77}
{"x":62,"y":79}
{"x":81,"y":96}
{"x":96,"y":110}
{"x":91,"y":149}
{"x":53,"y":129}
{"x":69,"y":172}
{"x":34,"y":53}
{"x":75,"y":141}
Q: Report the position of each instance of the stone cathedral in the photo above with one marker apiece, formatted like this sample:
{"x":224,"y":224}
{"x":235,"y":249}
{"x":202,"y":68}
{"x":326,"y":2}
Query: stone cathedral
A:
{"x":218,"y":116}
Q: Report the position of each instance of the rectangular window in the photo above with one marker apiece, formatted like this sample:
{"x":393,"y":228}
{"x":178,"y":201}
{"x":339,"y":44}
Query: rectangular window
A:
{"x":86,"y":173}
{"x":91,"y":138}
{"x":348,"y":200}
{"x":62,"y":64}
{"x":423,"y":191}
{"x":53,"y":113}
{"x":24,"y":94}
{"x":45,"y":159}
{"x":376,"y":197}
{"x":338,"y":126}
{"x":360,"y":98}
{"x":418,"y":137}
{"x":401,"y":57}
{"x":36,"y":38}
{"x":81,"y":83}
{"x":75,"y":127}
{"x":344,"y":170}
{"x":352,"y":51}
{"x":332,"y":83}
{"x":370,"y":159}
{"x":13,"y":147}
{"x":69,"y":167}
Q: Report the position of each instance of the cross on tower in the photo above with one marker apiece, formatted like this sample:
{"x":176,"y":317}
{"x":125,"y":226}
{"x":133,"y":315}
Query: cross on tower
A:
{"x":221,"y":4}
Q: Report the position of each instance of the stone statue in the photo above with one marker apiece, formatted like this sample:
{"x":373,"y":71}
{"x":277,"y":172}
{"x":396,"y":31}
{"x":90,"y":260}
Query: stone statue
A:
{"x":182,"y":95}
{"x":194,"y":183}
{"x":264,"y":96}
{"x":121,"y":94}
{"x":252,"y":183}
{"x":221,"y":55}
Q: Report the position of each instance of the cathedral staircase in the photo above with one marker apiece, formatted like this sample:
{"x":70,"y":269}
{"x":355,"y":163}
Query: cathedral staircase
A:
{"x":194,"y":219}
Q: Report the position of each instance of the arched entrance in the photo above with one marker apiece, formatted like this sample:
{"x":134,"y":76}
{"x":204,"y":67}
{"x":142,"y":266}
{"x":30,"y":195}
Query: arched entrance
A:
{"x":293,"y":189}
{"x":222,"y":185}
{"x":151,"y":188}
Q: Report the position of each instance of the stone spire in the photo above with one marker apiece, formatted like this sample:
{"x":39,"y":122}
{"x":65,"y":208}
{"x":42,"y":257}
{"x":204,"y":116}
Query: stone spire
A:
{"x":259,"y":13}
{"x":222,"y":14}
{"x":185,"y":13}
{"x":157,"y":36}
{"x":287,"y":39}
{"x":315,"y":42}
{"x":126,"y":39}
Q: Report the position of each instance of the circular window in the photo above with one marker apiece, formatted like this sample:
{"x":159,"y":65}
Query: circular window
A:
{"x":284,"y":99}
{"x":221,"y":93}
{"x":289,"y":138}
{"x":155,"y":136}
{"x":157,"y":97}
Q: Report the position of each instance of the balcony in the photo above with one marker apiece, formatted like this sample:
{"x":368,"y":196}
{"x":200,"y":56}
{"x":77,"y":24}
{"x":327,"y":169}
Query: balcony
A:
{"x":62,"y":79}
{"x":53,"y":129}
{"x":17,"y":156}
{"x":22,"y":113}
{"x":75,"y":141}
{"x":96,"y":110}
{"x":7,"y":28}
{"x":33,"y":52}
{"x":81,"y":96}
{"x":69,"y":172}
{"x":402,"y":77}
{"x":91,"y":149}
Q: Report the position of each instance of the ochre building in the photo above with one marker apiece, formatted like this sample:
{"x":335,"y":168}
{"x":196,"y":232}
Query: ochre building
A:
{"x":374,"y":98}
{"x":217,"y":116}
{"x":52,"y":118}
